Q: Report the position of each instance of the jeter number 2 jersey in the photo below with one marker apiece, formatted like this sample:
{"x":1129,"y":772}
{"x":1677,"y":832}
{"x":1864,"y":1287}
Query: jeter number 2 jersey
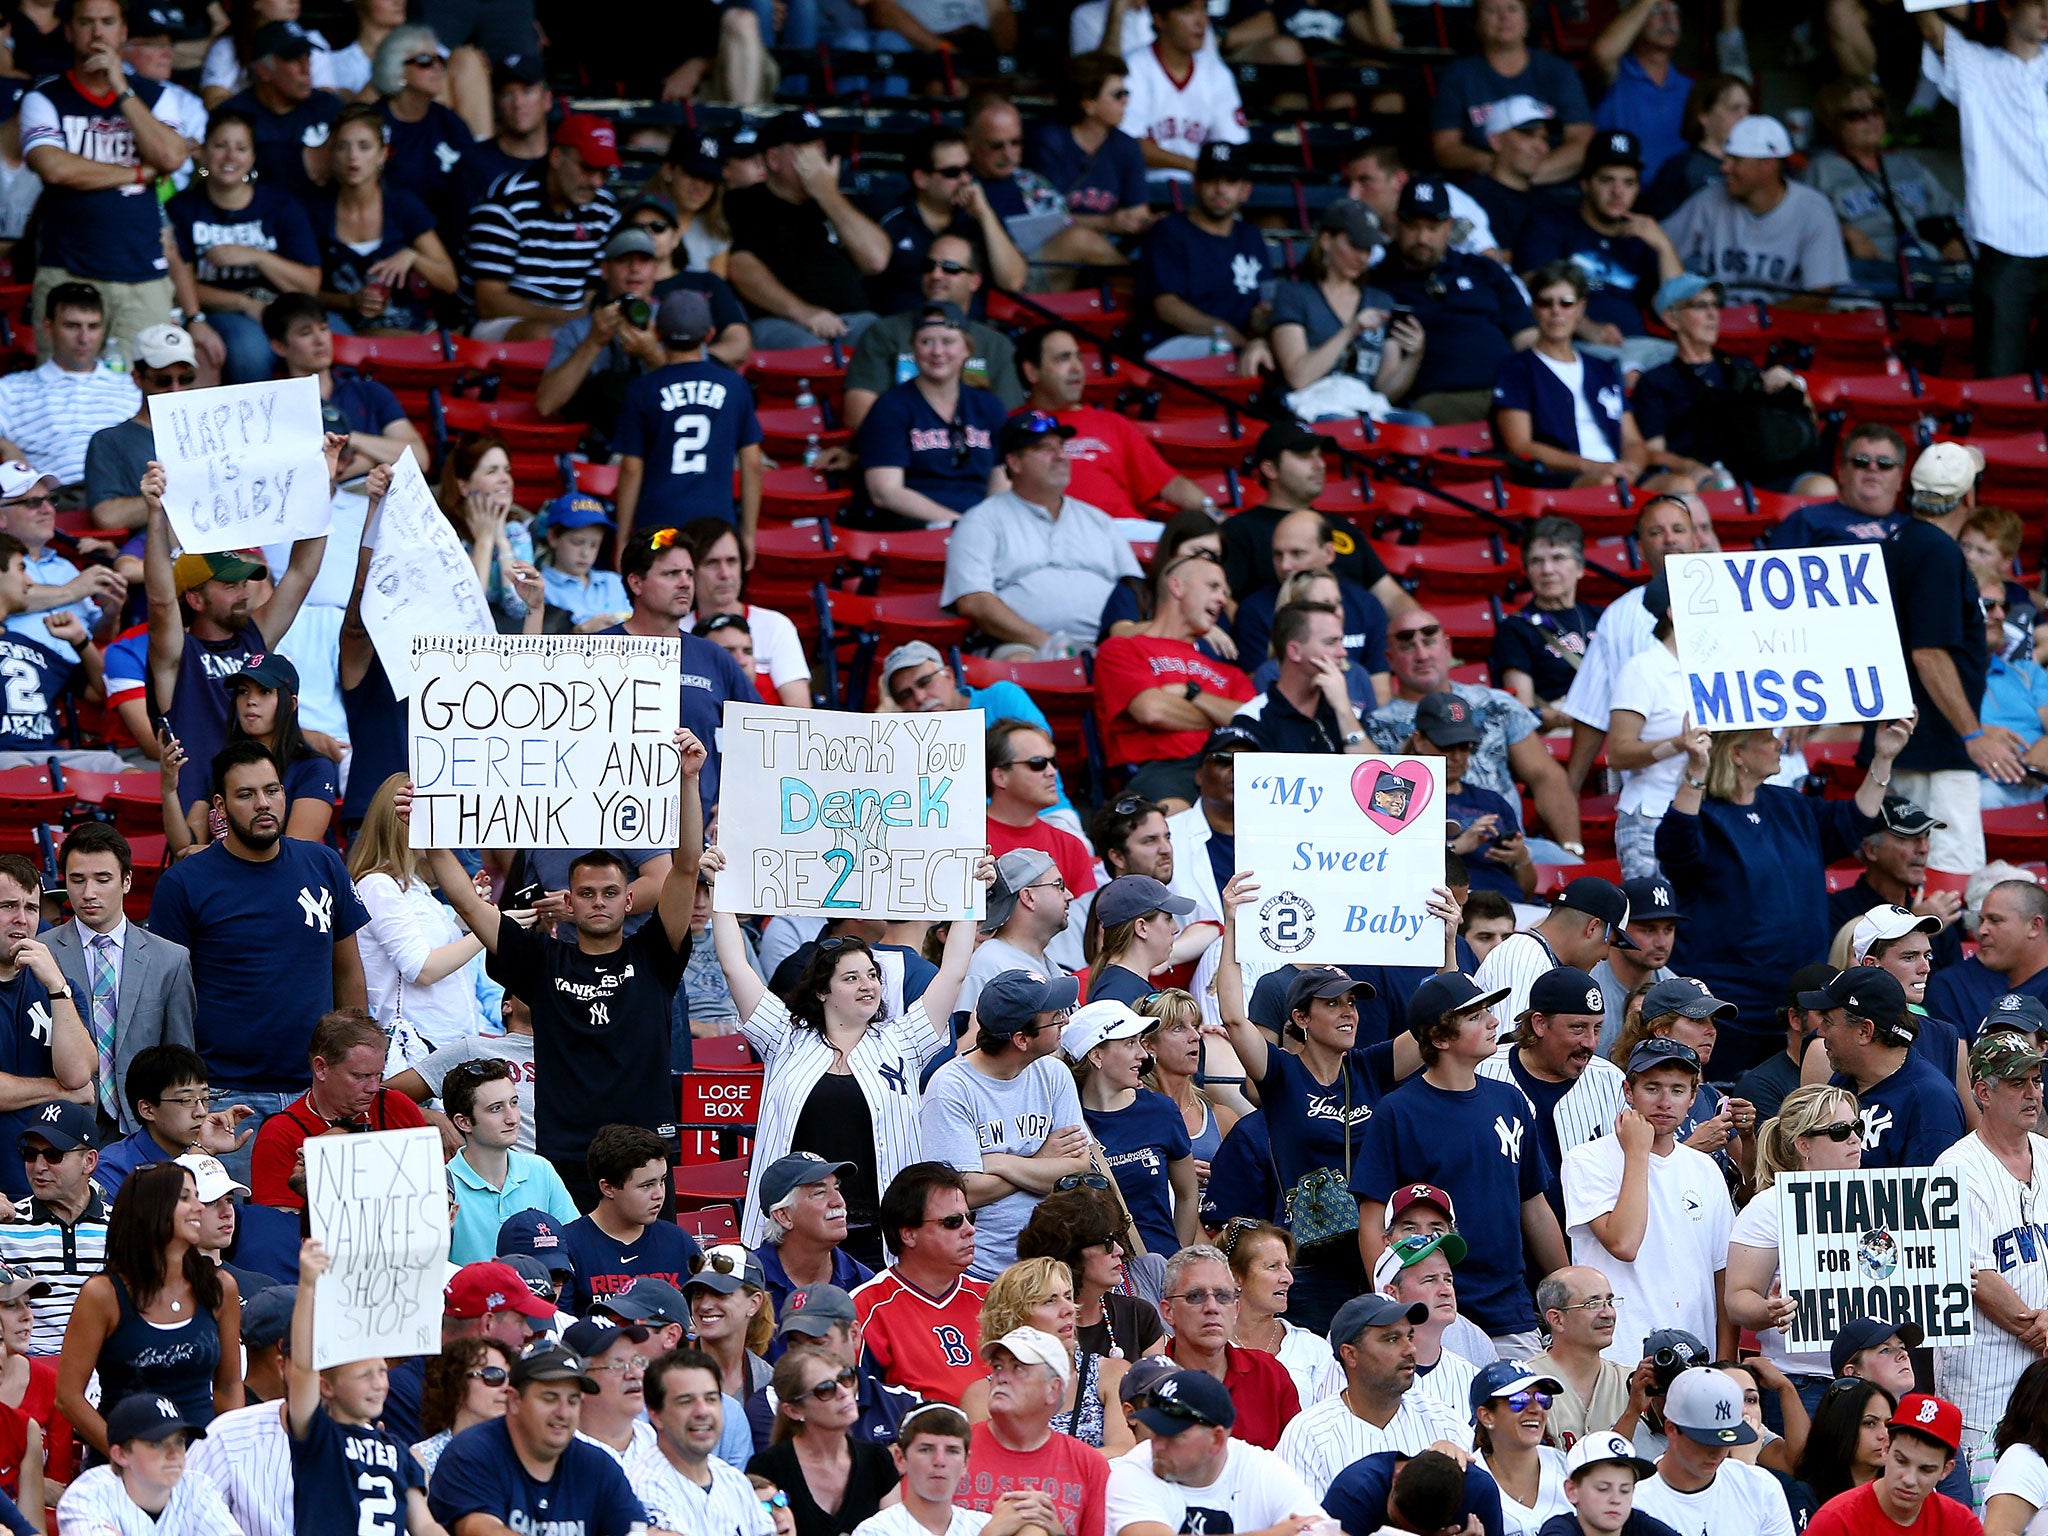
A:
{"x":686,"y":423}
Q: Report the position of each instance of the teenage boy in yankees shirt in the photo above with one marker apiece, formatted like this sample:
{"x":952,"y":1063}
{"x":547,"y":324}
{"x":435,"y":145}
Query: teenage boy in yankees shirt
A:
{"x":600,"y":1004}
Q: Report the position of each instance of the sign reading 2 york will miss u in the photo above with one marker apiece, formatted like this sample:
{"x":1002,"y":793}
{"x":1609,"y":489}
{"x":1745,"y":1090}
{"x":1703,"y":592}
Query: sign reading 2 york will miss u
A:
{"x":1788,"y":637}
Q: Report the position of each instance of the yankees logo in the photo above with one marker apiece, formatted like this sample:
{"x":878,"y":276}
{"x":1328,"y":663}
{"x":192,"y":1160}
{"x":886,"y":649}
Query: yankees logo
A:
{"x":319,"y":909}
{"x":1245,"y":272}
{"x":51,"y":1112}
{"x":1510,"y":1134}
{"x":39,"y":1024}
{"x":600,"y":1016}
{"x":1876,"y":1121}
{"x":894,"y":1075}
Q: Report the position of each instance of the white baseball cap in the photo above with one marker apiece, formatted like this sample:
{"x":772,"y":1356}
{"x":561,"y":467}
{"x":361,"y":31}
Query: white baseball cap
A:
{"x":1706,"y":1407}
{"x":1034,"y":1346}
{"x":18,"y":477}
{"x":1099,"y":1023}
{"x":210,"y":1177}
{"x":1758,"y":137}
{"x":1948,"y":470}
{"x":1605,"y":1446}
{"x":1888,"y":922}
{"x":1517,"y":111}
{"x":159,"y":346}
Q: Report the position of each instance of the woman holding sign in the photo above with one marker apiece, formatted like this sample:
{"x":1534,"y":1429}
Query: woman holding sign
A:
{"x":835,"y":1068}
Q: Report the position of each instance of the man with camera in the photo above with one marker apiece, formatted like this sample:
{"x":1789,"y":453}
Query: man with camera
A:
{"x":598,"y":354}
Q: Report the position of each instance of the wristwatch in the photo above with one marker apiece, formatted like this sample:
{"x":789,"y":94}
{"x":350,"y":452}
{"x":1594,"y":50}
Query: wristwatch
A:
{"x":1693,"y":783}
{"x":1192,"y":692}
{"x":125,"y":92}
{"x":1353,"y":738}
{"x":61,"y":997}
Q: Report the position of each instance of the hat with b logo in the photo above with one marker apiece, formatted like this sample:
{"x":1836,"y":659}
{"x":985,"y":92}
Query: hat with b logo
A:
{"x":1925,"y":1414}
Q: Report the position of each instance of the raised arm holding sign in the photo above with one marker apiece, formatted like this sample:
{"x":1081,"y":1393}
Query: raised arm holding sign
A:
{"x":244,"y":463}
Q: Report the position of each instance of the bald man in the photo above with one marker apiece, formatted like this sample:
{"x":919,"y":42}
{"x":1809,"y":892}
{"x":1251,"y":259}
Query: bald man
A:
{"x":1306,"y":540}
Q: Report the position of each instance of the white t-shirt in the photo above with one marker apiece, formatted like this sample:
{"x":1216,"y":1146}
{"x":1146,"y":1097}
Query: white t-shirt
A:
{"x":1756,"y":1226}
{"x":1653,"y":685}
{"x":1181,"y":116}
{"x":95,"y":1504}
{"x":1685,"y":1243}
{"x":349,"y":69}
{"x":223,"y":69}
{"x":1593,"y":442}
{"x":2022,"y":1473}
{"x":898,"y":1521}
{"x":777,"y":649}
{"x":1522,"y":1519}
{"x":1308,"y":1359}
{"x":1741,"y":1499}
{"x":1255,"y":1489}
{"x":1327,"y":1438}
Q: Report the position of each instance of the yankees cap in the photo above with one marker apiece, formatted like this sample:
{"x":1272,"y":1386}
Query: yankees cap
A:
{"x":1652,"y":896}
{"x":64,"y":1125}
{"x":1705,"y":1406}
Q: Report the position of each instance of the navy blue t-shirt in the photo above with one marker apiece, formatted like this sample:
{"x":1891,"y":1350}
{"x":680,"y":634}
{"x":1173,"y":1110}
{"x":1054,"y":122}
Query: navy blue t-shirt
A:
{"x":1470,"y":310}
{"x":1525,"y":382}
{"x":423,"y":155}
{"x":272,"y":222}
{"x":480,"y":1474}
{"x":1620,"y":270}
{"x":1357,"y":1497}
{"x":1111,"y":178}
{"x":1935,"y":597}
{"x":1219,"y":275}
{"x":605,"y":1266}
{"x":711,"y":679}
{"x":1910,"y":1118}
{"x":1481,"y":1145}
{"x":113,"y":233}
{"x":1467,"y":805}
{"x":283,"y":137}
{"x":32,"y":677}
{"x":1964,"y":993}
{"x":25,"y":1028}
{"x":346,"y":1475}
{"x":949,"y":464}
{"x":1365,"y":627}
{"x":1468,"y":86}
{"x":344,"y":269}
{"x":1242,"y":1181}
{"x":1829,"y":522}
{"x":1529,"y":641}
{"x":1140,"y":1140}
{"x":1306,"y":1119}
{"x":360,"y":404}
{"x":262,"y":938}
{"x":686,"y":423}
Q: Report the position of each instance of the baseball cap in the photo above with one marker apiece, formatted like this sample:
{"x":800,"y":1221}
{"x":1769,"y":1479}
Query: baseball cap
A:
{"x":1662,"y":1051}
{"x":1131,"y":896}
{"x":575,"y":510}
{"x":912,"y":653}
{"x":1686,"y":996}
{"x":1810,"y":977}
{"x":280,"y":40}
{"x":518,"y":69}
{"x":1706,"y":1407}
{"x":188,"y":571}
{"x":1328,"y":982}
{"x":1868,"y":993}
{"x":1948,"y":470}
{"x":593,"y":138}
{"x":159,"y":346}
{"x":1605,"y":1445}
{"x":1922,"y":1413}
{"x":594,"y":1335}
{"x":1758,"y":137}
{"x":627,"y":242}
{"x":18,"y":478}
{"x":1409,"y":1251}
{"x":745,"y":143}
{"x":684,"y":318}
{"x":547,"y":1361}
{"x":1446,"y":720}
{"x":1603,"y":899}
{"x":1355,"y":222}
{"x":64,"y":1125}
{"x":1425,"y":198}
{"x":267,"y":1316}
{"x":270,"y":669}
{"x":2017,"y":1011}
{"x":1228,"y":740}
{"x":1447,"y":992}
{"x":146,"y":1416}
{"x":1673,"y":1346}
{"x":1012,"y":1000}
{"x":1565,"y":989}
{"x":478,"y":1289}
{"x":724,"y":1268}
{"x":1504,"y":1378}
{"x":1651,"y":896}
{"x":1015,"y":870}
{"x":823,"y":1308}
{"x":1888,"y":922}
{"x":2003,"y":1054}
{"x":1100,"y":1022}
{"x":1517,"y":111}
{"x":1026,"y":429}
{"x":649,"y":1299}
{"x":1680,"y":289}
{"x":1221,"y":160}
{"x":210,"y":1177}
{"x":1420,"y":1194}
{"x":538,"y":1233}
{"x":792,"y":1172}
{"x":1186,"y":1400}
{"x":1372,"y":1311}
{"x":1145,"y":1374}
{"x":538,"y":1277}
{"x":153,"y":18}
{"x":802,"y":126}
{"x":939,"y":312}
{"x":1288,"y":436}
{"x":1613,"y":146}
{"x":18,"y":1281}
{"x":1034,"y":1346}
{"x":1906,"y":819}
{"x":1861,"y":1333}
{"x":698,"y":155}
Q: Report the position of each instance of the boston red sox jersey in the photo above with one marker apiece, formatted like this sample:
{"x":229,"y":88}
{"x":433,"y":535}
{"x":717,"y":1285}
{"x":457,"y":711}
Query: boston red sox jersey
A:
{"x":2005,"y":1239}
{"x":1181,"y":115}
{"x":97,"y":1505}
{"x":925,"y":1343}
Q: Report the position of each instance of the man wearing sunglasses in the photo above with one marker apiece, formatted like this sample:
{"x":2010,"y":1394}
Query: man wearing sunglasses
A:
{"x":60,"y":1231}
{"x":165,"y":361}
{"x":945,"y":198}
{"x":1870,"y":471}
{"x":949,"y":272}
{"x":1193,"y":1474}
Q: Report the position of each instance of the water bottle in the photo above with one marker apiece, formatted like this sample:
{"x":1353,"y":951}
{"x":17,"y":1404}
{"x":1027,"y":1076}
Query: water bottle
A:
{"x":1219,"y":344}
{"x":114,"y":355}
{"x":810,"y":450}
{"x":1209,"y":506}
{"x":805,"y":400}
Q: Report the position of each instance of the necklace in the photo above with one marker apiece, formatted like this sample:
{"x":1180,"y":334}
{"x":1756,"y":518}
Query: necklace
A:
{"x":177,"y":1306}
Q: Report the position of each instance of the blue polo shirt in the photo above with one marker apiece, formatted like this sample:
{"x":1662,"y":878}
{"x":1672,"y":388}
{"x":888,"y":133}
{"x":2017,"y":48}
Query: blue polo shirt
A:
{"x":686,"y":423}
{"x":1219,"y":274}
{"x":2014,"y":692}
{"x":531,"y":1184}
{"x":1650,"y":111}
{"x":124,"y":1157}
{"x":949,"y":463}
{"x":710,"y":679}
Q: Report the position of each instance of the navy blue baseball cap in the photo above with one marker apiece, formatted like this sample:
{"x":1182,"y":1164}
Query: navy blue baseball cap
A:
{"x":1652,"y":896}
{"x":267,"y":1316}
{"x":271,"y":669}
{"x":1372,"y":1311}
{"x":1187,"y":1400}
{"x":2018,"y":1010}
{"x":147,"y":1416}
{"x":1861,"y":1333}
{"x":1504,"y":1378}
{"x":64,"y":1125}
{"x":1425,"y":198}
{"x":1447,"y":992}
{"x":1012,"y":1000}
{"x":1568,"y":990}
{"x":594,"y":1335}
{"x":537,"y":1233}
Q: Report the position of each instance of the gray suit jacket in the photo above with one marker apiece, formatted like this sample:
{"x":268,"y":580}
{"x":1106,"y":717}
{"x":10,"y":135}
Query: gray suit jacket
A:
{"x":155,"y":1005}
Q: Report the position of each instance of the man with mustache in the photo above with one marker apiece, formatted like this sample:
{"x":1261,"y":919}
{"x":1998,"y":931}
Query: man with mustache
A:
{"x":1551,"y":1057}
{"x":802,"y":1197}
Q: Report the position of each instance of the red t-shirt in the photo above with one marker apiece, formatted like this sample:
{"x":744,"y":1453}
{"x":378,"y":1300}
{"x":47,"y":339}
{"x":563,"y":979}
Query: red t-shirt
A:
{"x":1856,"y":1513}
{"x":1129,"y":664}
{"x":1263,"y":1391}
{"x":922,"y":1342}
{"x":1076,"y":863}
{"x":38,"y":1402}
{"x":1074,"y":1476}
{"x":1115,"y":465}
{"x":278,"y":1143}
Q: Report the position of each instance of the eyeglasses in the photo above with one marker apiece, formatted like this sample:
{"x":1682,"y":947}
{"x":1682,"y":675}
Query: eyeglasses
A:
{"x":825,"y":947}
{"x":1068,"y":1181}
{"x":1839,"y":1132}
{"x":1128,"y":806}
{"x":956,"y":440}
{"x":1035,"y":764}
{"x":27,"y":501}
{"x":776,"y":1500}
{"x":197,"y":1100}
{"x":830,"y":1386}
{"x":490,"y":1375}
{"x":952,"y":1223}
{"x":1234,"y":1229}
{"x":1883,"y":461}
{"x":1994,"y":604}
{"x":51,"y":1155}
{"x":1518,"y":1402}
{"x":1596,"y":1304}
{"x":950,"y":172}
{"x":950,"y":268}
{"x":626,"y":1363}
{"x":425,"y":61}
{"x":1419,"y":636}
{"x":725,"y":1263}
{"x":1056,"y":883}
{"x":1187,"y":556}
{"x":1222,"y":1297}
{"x":1568,"y":302}
{"x":1859,"y":114}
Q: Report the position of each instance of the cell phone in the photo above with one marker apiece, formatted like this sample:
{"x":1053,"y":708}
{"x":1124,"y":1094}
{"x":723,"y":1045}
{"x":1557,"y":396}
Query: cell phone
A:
{"x":527,"y":897}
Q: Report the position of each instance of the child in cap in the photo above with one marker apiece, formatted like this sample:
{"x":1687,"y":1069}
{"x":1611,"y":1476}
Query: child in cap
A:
{"x":576,"y":527}
{"x":147,"y":1489}
{"x":1600,"y":1476}
{"x":1925,"y":1434}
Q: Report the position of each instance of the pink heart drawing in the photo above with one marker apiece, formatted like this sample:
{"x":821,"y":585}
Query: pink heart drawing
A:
{"x":1392,"y":795}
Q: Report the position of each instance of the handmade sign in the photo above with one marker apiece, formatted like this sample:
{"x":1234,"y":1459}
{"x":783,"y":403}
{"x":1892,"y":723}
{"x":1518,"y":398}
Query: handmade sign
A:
{"x":1346,"y":850}
{"x":845,"y":815}
{"x":378,"y":1203}
{"x":1877,"y":1242}
{"x":420,"y":581}
{"x":545,"y":741}
{"x":244,"y":464}
{"x":1788,"y":637}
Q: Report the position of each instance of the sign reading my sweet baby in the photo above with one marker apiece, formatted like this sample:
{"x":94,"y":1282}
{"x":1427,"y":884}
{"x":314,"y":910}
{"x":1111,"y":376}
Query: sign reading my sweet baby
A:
{"x":1346,"y":850}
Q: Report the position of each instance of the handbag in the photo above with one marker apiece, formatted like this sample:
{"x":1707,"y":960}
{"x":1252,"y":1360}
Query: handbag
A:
{"x":1321,"y":1209}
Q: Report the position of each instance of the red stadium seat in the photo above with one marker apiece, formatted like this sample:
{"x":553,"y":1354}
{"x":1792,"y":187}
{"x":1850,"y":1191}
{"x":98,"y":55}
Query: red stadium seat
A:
{"x":422,"y":361}
{"x":794,"y":492}
{"x":711,"y":1183}
{"x":723,"y":1053}
{"x":1083,"y":308}
{"x":2015,"y":404}
{"x":910,"y":560}
{"x":897,"y":619}
{"x":1843,"y":341}
{"x":1209,"y":441}
{"x":1218,"y":374}
{"x":710,"y":1225}
{"x":516,"y":423}
{"x":517,"y":365}
{"x":2015,"y":471}
{"x":782,"y":375}
{"x":2016,"y":832}
{"x":1599,"y":510}
{"x":786,"y":431}
{"x":1470,"y":624}
{"x":1453,"y":569}
{"x":1899,"y":399}
{"x":595,"y":479}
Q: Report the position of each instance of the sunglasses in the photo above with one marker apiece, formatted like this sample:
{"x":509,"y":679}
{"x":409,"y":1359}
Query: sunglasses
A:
{"x":956,"y":441}
{"x":1422,"y":635}
{"x":1035,"y":764}
{"x":1219,"y":1295}
{"x":1839,"y":1132}
{"x":425,"y":61}
{"x":184,"y":378}
{"x":1883,"y":461}
{"x":1128,"y":806}
{"x":776,"y":1500}
{"x":1080,"y":1181}
{"x":950,"y":172}
{"x":950,"y":268}
{"x":1555,"y":303}
{"x":952,"y":1223}
{"x":490,"y":1375}
{"x":1859,"y":114}
{"x":1994,"y":604}
{"x":722,"y":1263}
{"x":653,"y":226}
{"x":830,"y":1387}
{"x":51,"y":1155}
{"x":1188,"y":557}
{"x":1518,"y":1402}
{"x":27,"y":501}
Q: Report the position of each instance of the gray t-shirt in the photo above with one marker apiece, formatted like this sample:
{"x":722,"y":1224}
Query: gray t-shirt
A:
{"x":968,"y":1114}
{"x":883,"y":359}
{"x":1058,"y":570}
{"x":516,"y":1049}
{"x":1303,"y":304}
{"x":994,"y":957}
{"x":1795,"y":248}
{"x":1859,"y":197}
{"x":115,"y":458}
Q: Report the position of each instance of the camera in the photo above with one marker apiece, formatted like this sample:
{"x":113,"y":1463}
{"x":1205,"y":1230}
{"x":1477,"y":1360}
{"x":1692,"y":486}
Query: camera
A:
{"x":636,"y":311}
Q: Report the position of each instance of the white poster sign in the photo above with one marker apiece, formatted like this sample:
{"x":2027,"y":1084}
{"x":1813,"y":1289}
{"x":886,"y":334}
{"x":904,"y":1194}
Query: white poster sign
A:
{"x":1346,"y":850}
{"x":545,"y":741}
{"x":1875,"y":1242}
{"x":1788,"y":637}
{"x":243,"y":464}
{"x":378,"y":1203}
{"x":845,"y":815}
{"x":420,"y":581}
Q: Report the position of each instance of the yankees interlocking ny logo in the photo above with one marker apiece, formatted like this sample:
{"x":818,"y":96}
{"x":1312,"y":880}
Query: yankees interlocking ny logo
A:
{"x":319,"y":909}
{"x":1510,"y":1134}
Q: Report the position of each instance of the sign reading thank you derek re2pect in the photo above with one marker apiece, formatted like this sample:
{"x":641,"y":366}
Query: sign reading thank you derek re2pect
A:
{"x":1788,"y":637}
{"x":844,"y":815}
{"x":1878,"y":1242}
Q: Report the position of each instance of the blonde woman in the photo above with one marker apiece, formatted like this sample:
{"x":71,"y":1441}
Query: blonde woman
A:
{"x":1262,"y":1261}
{"x":1816,"y":1129}
{"x":1039,"y":1293}
{"x":732,"y":1316}
{"x":1176,"y":1059}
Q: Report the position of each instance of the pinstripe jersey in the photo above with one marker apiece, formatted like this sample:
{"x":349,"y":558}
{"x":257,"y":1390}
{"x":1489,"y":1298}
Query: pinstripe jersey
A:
{"x":1587,"y":1110}
{"x":2008,"y":1232}
{"x":2002,"y":101}
{"x":729,"y":1507}
{"x":97,"y":1505}
{"x":888,"y":1063}
{"x":1329,"y":1437}
{"x":1514,"y":963}
{"x":247,"y":1455}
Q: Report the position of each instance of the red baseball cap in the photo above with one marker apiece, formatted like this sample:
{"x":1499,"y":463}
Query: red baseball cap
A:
{"x":480,"y":1289}
{"x":1419,"y":1194}
{"x":590,"y":136}
{"x":1937,"y":1419}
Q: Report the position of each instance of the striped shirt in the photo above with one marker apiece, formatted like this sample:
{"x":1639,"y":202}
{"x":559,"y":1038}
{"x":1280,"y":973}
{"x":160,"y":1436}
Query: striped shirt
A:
{"x":729,"y":1507}
{"x":50,"y":414}
{"x":65,"y":1256}
{"x":2002,"y":100}
{"x":1589,"y":1106}
{"x":97,"y":1505}
{"x":1325,"y":1439}
{"x":248,"y":1455}
{"x":540,"y":254}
